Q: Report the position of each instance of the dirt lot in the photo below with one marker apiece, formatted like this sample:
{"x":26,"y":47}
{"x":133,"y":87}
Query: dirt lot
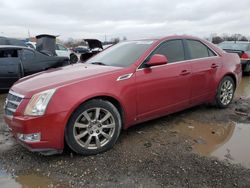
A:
{"x":199,"y":147}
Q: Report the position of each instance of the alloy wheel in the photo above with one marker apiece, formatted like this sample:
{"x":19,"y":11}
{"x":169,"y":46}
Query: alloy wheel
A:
{"x":94,"y":128}
{"x":226,"y":93}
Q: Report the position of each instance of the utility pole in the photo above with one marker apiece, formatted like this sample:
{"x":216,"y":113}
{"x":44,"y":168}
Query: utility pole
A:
{"x":29,"y":34}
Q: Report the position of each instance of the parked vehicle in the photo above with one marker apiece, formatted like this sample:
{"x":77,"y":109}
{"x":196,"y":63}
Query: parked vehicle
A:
{"x":90,"y":48}
{"x":81,"y":49}
{"x":242,"y":49}
{"x":17,"y":62}
{"x":61,"y":50}
{"x":47,"y":44}
{"x":86,"y":105}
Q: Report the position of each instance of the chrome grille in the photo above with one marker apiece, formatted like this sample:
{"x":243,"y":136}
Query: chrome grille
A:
{"x":12,"y":102}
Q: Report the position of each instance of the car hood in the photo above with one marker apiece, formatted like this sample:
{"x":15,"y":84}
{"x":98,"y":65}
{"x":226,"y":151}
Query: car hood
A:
{"x":58,"y":77}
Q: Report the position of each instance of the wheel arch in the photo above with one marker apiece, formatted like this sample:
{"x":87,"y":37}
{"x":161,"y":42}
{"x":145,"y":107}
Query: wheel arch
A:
{"x":233,"y":77}
{"x":111,"y":99}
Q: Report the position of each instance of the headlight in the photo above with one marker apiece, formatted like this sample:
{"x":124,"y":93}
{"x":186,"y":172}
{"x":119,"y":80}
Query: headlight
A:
{"x":38,"y":103}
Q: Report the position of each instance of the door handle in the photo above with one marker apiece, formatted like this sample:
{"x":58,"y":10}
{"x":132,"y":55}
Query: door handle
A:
{"x":214,"y":66}
{"x":185,"y":72}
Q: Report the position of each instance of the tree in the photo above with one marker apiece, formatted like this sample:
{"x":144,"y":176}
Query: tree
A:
{"x":217,"y":40}
{"x":243,"y":38}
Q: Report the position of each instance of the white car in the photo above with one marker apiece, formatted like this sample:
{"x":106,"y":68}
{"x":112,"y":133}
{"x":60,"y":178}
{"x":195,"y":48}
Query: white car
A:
{"x":62,"y":51}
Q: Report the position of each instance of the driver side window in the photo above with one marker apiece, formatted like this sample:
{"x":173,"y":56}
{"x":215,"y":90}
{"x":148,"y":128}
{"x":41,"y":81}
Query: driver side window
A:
{"x":172,"y":49}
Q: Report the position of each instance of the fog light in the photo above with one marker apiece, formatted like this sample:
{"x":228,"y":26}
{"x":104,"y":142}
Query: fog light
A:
{"x":34,"y":137}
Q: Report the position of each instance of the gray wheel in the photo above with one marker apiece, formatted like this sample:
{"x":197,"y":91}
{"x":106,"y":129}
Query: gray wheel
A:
{"x":225,"y":92}
{"x":93,"y":128}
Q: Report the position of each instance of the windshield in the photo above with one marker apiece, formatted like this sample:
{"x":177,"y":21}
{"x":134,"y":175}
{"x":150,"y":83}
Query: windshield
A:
{"x":234,"y":46}
{"x":122,"y":54}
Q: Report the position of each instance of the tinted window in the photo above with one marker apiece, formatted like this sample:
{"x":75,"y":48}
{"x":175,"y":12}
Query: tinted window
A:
{"x":173,"y":50}
{"x":122,"y":54}
{"x":211,"y":53}
{"x":27,"y":55}
{"x":198,"y":49}
{"x":8,"y":53}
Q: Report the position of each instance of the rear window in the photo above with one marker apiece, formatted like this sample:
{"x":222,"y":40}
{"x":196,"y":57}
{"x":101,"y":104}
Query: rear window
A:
{"x":234,"y":46}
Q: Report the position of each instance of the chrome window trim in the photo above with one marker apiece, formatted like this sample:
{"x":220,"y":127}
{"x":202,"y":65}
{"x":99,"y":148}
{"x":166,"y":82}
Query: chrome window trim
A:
{"x":176,"y":62}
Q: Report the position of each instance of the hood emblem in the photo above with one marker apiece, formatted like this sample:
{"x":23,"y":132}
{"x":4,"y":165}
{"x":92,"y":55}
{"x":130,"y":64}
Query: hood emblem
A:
{"x":124,"y":77}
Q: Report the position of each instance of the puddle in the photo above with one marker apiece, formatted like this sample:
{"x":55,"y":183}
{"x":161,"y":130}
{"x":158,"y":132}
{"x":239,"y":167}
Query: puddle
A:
{"x":244,"y":88}
{"x":26,"y":181}
{"x":236,"y":149}
{"x":225,"y":141}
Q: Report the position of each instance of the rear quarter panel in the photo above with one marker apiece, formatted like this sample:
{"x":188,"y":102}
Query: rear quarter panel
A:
{"x":231,"y":66}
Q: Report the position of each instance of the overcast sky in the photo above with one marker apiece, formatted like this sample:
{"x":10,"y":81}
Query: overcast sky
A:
{"x":130,"y":18}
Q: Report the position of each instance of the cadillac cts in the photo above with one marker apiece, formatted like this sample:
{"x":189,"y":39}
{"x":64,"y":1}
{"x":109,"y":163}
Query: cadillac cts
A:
{"x":86,"y":105}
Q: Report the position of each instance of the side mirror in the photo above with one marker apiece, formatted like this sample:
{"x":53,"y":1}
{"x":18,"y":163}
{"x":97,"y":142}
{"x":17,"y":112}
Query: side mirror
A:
{"x":157,"y":59}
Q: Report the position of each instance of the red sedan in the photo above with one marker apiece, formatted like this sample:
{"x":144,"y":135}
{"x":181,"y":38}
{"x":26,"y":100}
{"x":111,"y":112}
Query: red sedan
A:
{"x":87,"y":105}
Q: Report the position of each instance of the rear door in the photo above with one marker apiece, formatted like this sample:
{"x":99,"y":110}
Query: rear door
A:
{"x":166,"y":88}
{"x":10,"y":67}
{"x":204,"y":64}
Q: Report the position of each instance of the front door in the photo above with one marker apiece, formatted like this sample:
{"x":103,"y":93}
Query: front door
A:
{"x":166,"y":88}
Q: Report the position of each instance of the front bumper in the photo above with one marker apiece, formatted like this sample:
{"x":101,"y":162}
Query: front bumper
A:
{"x":51,"y":128}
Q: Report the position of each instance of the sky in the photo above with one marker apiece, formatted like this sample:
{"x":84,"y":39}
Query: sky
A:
{"x":134,"y":19}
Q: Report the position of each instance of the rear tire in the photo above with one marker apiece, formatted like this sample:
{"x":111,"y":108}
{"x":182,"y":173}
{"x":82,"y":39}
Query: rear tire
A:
{"x":225,"y":92}
{"x":93,"y":128}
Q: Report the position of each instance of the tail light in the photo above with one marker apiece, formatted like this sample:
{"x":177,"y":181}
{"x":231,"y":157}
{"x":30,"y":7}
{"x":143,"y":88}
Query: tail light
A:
{"x":244,"y":56}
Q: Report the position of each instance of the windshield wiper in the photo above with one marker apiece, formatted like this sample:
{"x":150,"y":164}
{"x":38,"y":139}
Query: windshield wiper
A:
{"x":98,"y":63}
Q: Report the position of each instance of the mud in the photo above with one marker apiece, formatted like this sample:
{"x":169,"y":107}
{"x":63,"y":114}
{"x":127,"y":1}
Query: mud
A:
{"x":228,"y":141}
{"x":199,"y":147}
{"x":27,"y":181}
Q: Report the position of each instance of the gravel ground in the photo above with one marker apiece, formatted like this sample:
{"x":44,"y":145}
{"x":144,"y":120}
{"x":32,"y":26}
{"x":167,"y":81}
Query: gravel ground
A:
{"x":148,"y":155}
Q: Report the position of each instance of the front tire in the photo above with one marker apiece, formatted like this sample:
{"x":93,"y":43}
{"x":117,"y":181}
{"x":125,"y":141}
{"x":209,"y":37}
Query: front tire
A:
{"x":225,"y":92}
{"x":93,"y":128}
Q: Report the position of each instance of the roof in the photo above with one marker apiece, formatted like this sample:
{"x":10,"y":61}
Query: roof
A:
{"x":13,"y":47}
